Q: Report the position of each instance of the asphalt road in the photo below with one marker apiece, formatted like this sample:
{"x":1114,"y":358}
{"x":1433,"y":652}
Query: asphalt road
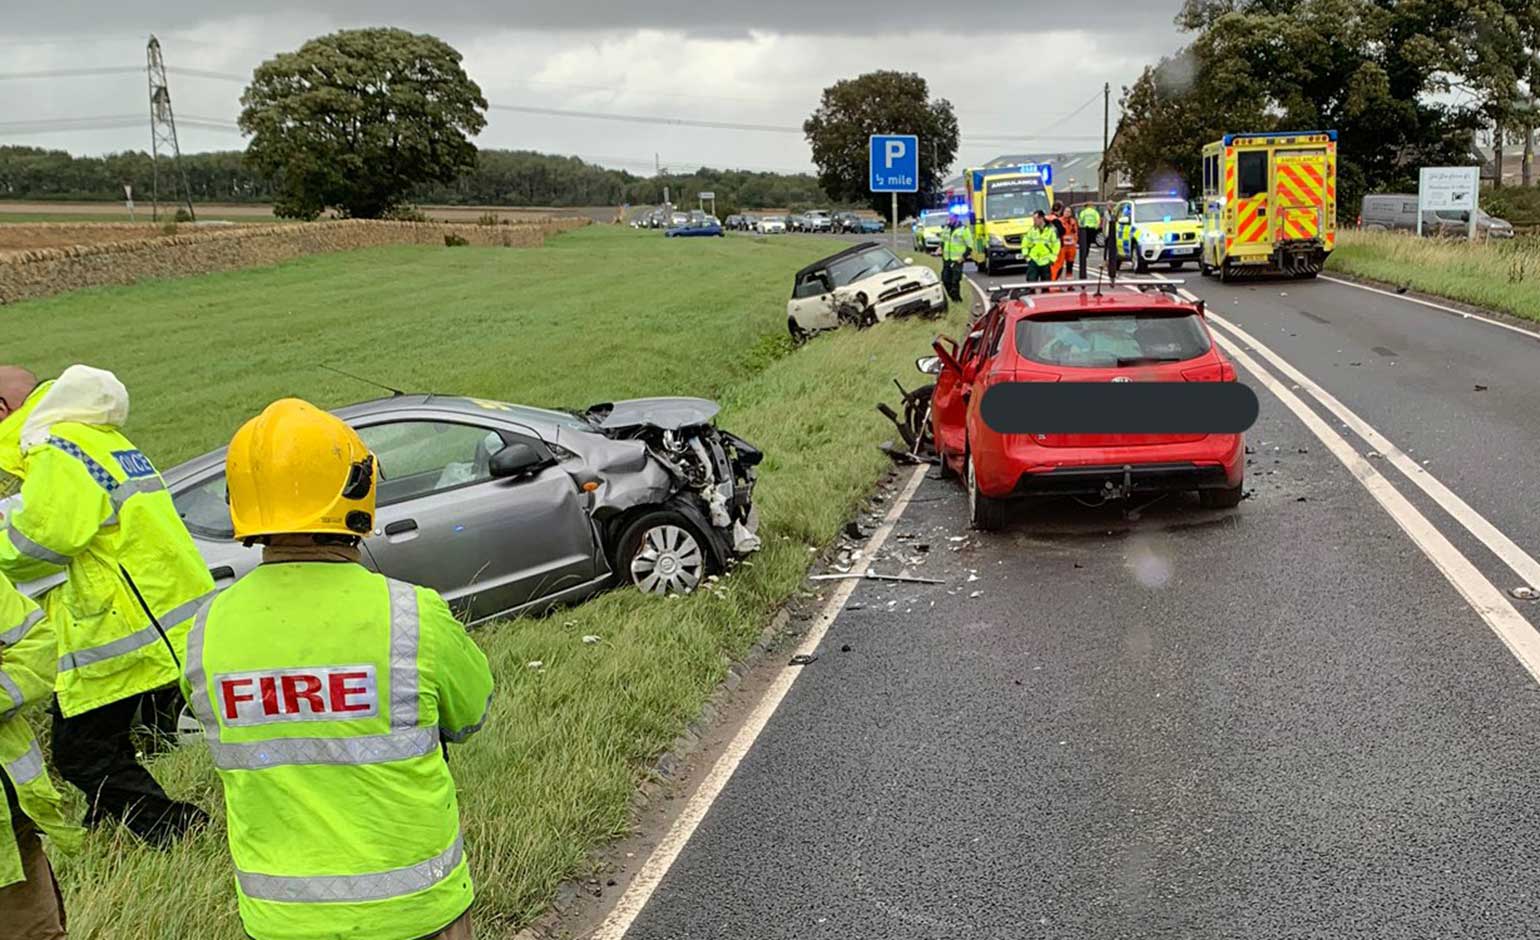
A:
{"x":1277,"y":721}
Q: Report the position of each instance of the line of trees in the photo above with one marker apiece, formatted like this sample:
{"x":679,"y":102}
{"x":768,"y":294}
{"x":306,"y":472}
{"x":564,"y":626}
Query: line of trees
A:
{"x":498,"y":178}
{"x":1405,"y":84}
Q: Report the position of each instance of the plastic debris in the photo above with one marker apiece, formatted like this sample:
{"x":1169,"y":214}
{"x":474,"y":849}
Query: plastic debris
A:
{"x":591,"y":639}
{"x":1525,"y":593}
{"x":535,"y":664}
{"x":874,"y":576}
{"x":802,"y":659}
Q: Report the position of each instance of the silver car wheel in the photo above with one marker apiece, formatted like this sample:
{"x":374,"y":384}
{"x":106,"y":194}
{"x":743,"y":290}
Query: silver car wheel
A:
{"x":668,"y":561}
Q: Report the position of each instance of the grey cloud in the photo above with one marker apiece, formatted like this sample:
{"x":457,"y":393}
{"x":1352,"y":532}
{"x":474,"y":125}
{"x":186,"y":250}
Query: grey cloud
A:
{"x":913,"y":19}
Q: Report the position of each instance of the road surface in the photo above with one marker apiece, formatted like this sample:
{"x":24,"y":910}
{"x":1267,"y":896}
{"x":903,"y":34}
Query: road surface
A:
{"x":1303,"y":718}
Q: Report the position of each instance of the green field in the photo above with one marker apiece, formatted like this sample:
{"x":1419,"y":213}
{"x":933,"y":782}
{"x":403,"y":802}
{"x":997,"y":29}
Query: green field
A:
{"x":1497,"y":275}
{"x":596,"y":314}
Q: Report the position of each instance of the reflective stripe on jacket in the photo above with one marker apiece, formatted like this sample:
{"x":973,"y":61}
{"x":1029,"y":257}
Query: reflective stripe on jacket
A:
{"x":26,"y":677}
{"x":324,"y":691}
{"x":955,"y":243}
{"x":94,"y":506}
{"x":1040,"y":245}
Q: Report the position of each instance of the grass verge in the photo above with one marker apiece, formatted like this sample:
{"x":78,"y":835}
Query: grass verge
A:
{"x":596,"y":313}
{"x":1497,"y":275}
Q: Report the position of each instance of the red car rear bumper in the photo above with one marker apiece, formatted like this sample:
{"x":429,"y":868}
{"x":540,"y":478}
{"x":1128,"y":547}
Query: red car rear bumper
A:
{"x":1016,"y":465}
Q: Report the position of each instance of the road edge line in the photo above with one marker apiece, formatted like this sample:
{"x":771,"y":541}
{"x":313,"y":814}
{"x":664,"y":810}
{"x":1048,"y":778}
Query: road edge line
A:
{"x":1484,"y":597}
{"x":1465,"y":314}
{"x":640,"y":890}
{"x":1507,"y":551}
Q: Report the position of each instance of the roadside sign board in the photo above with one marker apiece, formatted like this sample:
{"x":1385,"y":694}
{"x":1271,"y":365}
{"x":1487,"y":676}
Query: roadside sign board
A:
{"x":1448,"y":189}
{"x":893,"y":166}
{"x":895,"y":163}
{"x":708,"y":195}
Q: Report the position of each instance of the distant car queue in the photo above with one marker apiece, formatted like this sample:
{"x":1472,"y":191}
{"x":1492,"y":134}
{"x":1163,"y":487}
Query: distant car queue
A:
{"x":811,"y":221}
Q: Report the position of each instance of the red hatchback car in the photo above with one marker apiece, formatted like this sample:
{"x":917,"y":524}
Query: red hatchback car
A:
{"x":1147,"y":331}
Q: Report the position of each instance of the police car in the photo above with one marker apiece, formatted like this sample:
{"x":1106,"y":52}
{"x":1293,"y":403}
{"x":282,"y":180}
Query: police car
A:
{"x":1151,"y":228}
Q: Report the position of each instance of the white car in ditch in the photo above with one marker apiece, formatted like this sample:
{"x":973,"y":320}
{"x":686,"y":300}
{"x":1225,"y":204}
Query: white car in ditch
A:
{"x":862,"y":285}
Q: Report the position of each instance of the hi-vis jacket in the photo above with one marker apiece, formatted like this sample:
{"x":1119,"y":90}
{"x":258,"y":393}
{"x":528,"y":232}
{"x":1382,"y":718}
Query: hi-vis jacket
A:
{"x":26,"y":677}
{"x":955,"y":243}
{"x":324,"y":690}
{"x":94,"y":507}
{"x":1040,"y":245}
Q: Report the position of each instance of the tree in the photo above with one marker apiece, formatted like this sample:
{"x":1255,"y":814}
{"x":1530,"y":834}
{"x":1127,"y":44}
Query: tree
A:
{"x":879,"y":103}
{"x":1366,"y":68}
{"x":355,"y":120}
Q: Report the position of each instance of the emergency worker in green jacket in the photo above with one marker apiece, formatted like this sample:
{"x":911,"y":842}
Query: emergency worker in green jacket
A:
{"x":86,"y":508}
{"x":327,"y":692}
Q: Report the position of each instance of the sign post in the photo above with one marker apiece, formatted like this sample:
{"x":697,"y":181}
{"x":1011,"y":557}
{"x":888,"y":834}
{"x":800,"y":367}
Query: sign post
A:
{"x":128,"y":199}
{"x":894,"y":167}
{"x":1449,"y":189}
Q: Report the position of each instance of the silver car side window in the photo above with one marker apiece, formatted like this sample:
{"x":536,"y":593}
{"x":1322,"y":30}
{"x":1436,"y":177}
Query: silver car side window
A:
{"x":418,"y":458}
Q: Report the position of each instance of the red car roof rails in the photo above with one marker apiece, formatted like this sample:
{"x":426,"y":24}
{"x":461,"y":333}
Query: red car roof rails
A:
{"x":1025,"y":290}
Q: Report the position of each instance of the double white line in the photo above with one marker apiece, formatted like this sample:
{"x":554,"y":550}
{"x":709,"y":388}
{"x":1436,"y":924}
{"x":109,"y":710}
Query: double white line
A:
{"x":1485,"y":598}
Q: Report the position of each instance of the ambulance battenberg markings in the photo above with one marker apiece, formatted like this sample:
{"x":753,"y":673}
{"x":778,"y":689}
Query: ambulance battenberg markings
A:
{"x":1302,"y":186}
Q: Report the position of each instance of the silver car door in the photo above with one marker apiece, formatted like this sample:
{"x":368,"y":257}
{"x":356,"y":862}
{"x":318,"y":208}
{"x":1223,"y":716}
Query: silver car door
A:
{"x":488,"y":545}
{"x":201,"y":505}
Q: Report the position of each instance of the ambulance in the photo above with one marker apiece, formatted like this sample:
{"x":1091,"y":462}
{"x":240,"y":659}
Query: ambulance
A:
{"x":1001,"y":201}
{"x":1269,"y":203}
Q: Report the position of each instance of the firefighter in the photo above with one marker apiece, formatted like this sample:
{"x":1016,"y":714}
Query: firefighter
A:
{"x":93,"y":508}
{"x":30,"y":905}
{"x":1069,"y":236}
{"x":1039,"y":248}
{"x":327,"y":692}
{"x":956,"y":246}
{"x":1090,"y":224}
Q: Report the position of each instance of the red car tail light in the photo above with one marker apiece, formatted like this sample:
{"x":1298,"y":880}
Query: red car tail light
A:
{"x":1219,"y":370}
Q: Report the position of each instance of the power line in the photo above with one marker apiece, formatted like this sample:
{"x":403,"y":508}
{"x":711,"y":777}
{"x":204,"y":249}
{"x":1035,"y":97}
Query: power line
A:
{"x":71,"y":73}
{"x":645,"y":119}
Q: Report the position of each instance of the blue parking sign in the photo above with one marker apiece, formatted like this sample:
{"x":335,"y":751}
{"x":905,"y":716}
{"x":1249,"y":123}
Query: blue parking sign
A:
{"x":895,"y":163}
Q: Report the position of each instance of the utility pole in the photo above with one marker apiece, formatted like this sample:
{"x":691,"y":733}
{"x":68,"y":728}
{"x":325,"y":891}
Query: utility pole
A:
{"x":1101,"y":176}
{"x":163,"y":136}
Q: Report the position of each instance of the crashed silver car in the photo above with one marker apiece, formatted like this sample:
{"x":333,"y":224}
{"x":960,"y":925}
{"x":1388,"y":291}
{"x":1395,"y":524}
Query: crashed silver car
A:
{"x":506,"y":508}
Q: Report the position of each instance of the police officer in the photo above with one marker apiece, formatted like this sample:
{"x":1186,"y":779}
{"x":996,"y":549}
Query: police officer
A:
{"x":956,"y":246}
{"x":1039,"y":248}
{"x":325,"y":691}
{"x":30,"y":905}
{"x":1090,"y":220}
{"x":93,"y":508}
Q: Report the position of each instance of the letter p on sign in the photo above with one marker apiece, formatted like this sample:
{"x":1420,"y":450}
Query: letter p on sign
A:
{"x":894,"y":163}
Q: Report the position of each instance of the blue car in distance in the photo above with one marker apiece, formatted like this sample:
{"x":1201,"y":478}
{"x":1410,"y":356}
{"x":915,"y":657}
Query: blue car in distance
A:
{"x":870,"y":226}
{"x":696,"y":228}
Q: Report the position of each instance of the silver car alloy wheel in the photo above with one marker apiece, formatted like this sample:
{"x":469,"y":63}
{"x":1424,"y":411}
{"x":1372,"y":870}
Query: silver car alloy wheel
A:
{"x":668,"y":561}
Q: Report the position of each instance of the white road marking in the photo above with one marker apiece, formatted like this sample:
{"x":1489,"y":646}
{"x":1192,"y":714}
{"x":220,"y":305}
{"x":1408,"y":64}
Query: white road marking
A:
{"x":1428,"y":303}
{"x":651,"y":874}
{"x":1521,"y":562}
{"x":1490,"y":603}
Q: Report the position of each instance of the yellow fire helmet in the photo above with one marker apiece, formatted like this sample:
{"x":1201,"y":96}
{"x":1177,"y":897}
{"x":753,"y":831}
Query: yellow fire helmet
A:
{"x":297,"y":469}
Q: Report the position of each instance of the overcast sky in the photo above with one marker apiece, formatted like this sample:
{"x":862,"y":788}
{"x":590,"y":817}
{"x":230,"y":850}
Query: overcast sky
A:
{"x":1014,"y":70}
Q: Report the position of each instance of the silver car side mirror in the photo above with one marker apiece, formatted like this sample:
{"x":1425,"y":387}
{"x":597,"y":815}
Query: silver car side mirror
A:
{"x":930,"y":365}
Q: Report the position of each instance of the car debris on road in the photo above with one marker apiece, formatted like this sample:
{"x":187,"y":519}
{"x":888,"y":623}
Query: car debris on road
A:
{"x":873,"y":576}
